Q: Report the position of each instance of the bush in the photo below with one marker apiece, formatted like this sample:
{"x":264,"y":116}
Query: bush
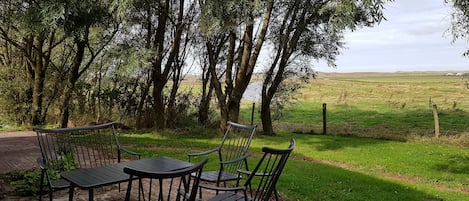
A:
{"x":26,"y":183}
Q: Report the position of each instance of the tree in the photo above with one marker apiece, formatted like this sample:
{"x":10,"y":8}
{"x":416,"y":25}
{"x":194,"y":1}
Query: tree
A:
{"x":28,"y":27}
{"x":223,"y":17}
{"x":165,"y":27}
{"x":81,"y":18}
{"x":460,"y":21}
{"x":309,"y":29}
{"x":210,"y":59}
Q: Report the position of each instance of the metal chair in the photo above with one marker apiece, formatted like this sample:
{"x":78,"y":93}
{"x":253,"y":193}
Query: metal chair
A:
{"x":265,"y":175}
{"x":65,"y":149}
{"x":232,"y":154}
{"x":174,"y":185}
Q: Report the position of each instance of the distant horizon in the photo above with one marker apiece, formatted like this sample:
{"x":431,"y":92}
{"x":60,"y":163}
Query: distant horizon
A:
{"x":413,"y":38}
{"x":393,"y":69}
{"x":403,"y":71}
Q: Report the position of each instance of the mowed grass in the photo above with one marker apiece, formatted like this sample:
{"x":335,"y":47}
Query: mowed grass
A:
{"x":340,"y":168}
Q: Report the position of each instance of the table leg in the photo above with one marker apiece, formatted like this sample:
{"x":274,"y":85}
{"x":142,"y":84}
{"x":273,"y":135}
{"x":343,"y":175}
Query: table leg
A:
{"x":90,"y":194}
{"x":70,"y":193}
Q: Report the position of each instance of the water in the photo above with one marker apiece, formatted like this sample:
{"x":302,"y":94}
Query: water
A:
{"x":253,"y":92}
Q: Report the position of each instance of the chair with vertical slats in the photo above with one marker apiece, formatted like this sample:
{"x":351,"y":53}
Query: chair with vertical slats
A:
{"x":263,"y":178}
{"x":65,"y":149}
{"x":232,"y":154}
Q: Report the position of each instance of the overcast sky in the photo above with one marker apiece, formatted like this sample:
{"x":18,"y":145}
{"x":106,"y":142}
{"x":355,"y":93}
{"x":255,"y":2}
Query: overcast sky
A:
{"x":412,"y":39}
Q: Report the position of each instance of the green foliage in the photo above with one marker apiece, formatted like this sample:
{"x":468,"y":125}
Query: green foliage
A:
{"x":225,"y":16}
{"x":15,"y":87}
{"x":352,"y":13}
{"x":66,"y":163}
{"x":26,"y":183}
{"x":460,"y":21}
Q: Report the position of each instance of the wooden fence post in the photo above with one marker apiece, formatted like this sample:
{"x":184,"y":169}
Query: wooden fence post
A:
{"x":324,"y":118}
{"x":436,"y":120}
{"x":252,"y":113}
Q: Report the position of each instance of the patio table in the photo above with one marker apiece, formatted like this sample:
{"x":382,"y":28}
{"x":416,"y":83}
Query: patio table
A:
{"x":90,"y":178}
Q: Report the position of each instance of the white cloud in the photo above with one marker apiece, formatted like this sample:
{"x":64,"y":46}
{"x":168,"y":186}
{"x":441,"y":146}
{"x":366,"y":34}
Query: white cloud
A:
{"x":411,"y":39}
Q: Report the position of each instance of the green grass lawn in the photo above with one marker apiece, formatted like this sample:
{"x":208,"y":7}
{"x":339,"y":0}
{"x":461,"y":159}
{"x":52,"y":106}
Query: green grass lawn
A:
{"x":342,"y":168}
{"x":380,"y":143}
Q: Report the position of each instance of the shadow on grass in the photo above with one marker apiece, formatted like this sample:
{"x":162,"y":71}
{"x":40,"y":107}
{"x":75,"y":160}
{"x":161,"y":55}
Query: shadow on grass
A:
{"x":304,"y":180}
{"x":328,"y":143}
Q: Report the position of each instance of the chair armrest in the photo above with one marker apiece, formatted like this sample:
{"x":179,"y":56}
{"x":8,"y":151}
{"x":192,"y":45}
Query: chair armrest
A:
{"x":41,"y":163}
{"x":244,"y":157}
{"x":245,"y":172}
{"x":202,"y":153}
{"x":131,"y":152}
{"x":217,"y":188}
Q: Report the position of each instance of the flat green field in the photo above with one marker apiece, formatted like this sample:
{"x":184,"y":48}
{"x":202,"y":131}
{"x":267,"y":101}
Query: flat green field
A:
{"x":384,"y":105}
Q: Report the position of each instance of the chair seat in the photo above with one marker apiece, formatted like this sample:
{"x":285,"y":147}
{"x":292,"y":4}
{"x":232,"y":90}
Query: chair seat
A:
{"x":228,"y":197}
{"x":60,"y":184}
{"x":211,"y":176}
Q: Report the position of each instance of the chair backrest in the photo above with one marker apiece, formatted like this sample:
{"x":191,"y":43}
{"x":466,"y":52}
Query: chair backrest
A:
{"x":235,"y":144}
{"x":174,"y":185}
{"x":65,"y":149}
{"x":267,"y":172}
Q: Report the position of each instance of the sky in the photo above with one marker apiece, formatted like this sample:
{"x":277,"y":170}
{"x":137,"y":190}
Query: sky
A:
{"x":414,"y":38}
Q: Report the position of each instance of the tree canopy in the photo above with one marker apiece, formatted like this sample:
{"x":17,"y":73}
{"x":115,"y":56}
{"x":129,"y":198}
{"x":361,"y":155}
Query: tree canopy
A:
{"x":460,"y":21}
{"x":124,"y":60}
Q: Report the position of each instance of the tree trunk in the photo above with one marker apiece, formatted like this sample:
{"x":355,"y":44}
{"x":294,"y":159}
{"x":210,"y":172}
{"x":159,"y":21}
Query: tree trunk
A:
{"x":40,"y":61}
{"x":70,"y":86}
{"x":274,"y":76}
{"x":171,"y":110}
{"x":141,"y":103}
{"x":204,"y":104}
{"x":38,"y":95}
{"x":248,"y":61}
{"x":266,"y":117}
{"x":159,"y":108}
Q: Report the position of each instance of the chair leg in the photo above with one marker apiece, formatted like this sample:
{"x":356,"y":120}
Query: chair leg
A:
{"x":276,"y":194}
{"x":129,"y":187}
{"x":41,"y":185}
{"x":70,"y":193}
{"x":140,"y":189}
{"x":200,"y":193}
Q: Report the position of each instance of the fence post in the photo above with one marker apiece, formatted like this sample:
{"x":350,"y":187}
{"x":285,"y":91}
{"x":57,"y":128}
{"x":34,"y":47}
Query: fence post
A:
{"x":436,"y":120}
{"x":324,"y":118}
{"x":252,"y":113}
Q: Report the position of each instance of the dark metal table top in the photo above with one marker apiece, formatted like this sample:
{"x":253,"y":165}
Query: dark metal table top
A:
{"x":88,"y":178}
